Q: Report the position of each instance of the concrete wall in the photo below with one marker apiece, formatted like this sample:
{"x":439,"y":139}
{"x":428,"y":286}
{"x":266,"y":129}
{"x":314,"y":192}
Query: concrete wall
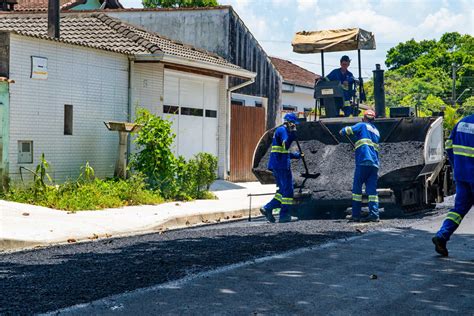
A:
{"x":96,"y":84}
{"x":205,"y":29}
{"x":220,"y":31}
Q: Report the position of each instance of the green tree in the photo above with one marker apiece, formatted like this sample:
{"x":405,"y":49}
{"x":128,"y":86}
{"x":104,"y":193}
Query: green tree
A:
{"x":420,"y":73}
{"x":179,"y":3}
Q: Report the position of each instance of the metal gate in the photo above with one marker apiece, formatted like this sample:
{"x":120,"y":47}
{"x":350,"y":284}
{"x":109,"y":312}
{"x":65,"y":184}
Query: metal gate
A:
{"x":246,"y":127}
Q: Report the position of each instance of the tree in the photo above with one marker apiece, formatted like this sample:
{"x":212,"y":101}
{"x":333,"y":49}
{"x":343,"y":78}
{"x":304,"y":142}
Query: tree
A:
{"x":178,"y":3}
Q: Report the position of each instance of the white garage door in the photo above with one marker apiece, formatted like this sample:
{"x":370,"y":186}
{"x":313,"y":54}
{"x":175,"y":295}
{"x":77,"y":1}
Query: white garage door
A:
{"x":190,"y":102}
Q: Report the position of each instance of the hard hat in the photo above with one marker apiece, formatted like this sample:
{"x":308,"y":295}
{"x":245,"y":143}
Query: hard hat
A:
{"x":369,"y":114}
{"x":291,"y":117}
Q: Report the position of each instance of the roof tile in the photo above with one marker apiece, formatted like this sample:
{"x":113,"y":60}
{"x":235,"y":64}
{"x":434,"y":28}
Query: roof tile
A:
{"x":294,"y":74}
{"x":107,"y":33}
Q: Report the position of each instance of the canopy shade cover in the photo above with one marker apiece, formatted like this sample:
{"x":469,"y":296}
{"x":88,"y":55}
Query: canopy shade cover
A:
{"x":332,"y":41}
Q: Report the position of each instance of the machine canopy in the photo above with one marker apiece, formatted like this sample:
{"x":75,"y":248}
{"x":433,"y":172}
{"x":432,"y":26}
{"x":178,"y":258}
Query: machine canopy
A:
{"x":332,"y":41}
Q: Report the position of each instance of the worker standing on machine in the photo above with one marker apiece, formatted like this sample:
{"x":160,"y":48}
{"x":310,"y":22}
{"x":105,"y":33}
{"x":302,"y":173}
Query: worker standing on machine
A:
{"x":279,"y":164}
{"x":346,"y":78}
{"x":367,"y":166}
{"x":460,"y":148}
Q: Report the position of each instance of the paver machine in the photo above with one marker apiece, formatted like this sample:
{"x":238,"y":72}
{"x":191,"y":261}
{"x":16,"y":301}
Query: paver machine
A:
{"x":414,"y":173}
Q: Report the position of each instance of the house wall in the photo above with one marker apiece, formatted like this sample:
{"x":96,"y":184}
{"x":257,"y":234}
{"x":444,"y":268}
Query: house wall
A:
{"x":302,"y":98}
{"x":95,"y":82}
{"x":222,"y":32}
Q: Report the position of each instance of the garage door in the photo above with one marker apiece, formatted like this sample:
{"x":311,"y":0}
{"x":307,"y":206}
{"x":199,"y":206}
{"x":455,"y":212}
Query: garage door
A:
{"x":190,"y":102}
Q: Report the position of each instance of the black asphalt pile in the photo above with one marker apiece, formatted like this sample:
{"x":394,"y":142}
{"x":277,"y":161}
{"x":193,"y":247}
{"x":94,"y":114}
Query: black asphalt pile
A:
{"x":336,"y":163}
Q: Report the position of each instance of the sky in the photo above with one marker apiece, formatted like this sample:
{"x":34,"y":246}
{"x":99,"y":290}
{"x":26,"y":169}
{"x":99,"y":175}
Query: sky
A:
{"x":274,"y":23}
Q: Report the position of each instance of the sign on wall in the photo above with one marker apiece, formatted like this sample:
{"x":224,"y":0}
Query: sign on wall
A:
{"x":39,"y":68}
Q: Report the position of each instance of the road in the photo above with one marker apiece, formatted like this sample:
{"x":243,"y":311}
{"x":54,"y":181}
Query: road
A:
{"x":57,"y":277}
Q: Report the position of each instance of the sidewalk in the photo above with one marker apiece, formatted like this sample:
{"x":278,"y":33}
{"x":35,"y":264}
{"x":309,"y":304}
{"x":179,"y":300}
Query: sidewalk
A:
{"x":26,"y":226}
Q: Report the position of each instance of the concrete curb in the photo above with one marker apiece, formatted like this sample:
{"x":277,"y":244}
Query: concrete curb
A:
{"x":172,"y":223}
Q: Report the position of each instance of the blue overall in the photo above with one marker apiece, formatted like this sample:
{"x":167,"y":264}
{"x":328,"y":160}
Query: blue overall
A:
{"x":367,"y":166}
{"x":280,"y":165}
{"x":460,"y":149}
{"x":337,"y":75}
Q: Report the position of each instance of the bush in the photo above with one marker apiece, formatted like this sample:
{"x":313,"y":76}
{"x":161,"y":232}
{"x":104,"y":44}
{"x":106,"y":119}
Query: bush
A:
{"x":173,"y":177}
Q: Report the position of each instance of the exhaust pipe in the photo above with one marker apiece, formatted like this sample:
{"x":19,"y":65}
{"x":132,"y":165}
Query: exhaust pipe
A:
{"x":53,"y":18}
{"x":379,"y":91}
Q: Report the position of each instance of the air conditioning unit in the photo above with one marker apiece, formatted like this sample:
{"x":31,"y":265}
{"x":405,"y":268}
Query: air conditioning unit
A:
{"x":25,"y":151}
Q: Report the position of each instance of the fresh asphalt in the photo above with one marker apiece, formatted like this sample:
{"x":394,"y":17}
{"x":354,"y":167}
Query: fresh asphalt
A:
{"x":57,"y":277}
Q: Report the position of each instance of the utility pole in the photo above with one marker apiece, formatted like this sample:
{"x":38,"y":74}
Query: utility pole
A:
{"x":453,"y":95}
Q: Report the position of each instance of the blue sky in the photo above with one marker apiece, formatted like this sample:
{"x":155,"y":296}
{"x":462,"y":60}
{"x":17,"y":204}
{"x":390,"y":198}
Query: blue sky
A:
{"x":274,"y":22}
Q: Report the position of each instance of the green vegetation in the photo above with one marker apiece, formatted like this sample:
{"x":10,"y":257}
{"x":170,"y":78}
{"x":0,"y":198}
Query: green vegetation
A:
{"x":420,"y":74}
{"x":87,"y":193}
{"x":156,"y":176}
{"x":171,"y":176}
{"x":178,"y":3}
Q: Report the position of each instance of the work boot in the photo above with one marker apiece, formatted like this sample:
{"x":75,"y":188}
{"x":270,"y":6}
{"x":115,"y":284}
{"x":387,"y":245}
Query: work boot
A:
{"x":440,"y":246}
{"x":370,"y":218}
{"x":268,"y":215}
{"x":285,"y":219}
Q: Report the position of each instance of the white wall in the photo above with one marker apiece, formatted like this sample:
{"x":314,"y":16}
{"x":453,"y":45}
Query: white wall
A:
{"x":301,"y":98}
{"x":95,"y":82}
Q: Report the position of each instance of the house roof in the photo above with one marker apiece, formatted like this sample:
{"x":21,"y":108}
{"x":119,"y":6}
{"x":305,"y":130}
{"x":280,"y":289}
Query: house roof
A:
{"x":104,"y":32}
{"x":42,"y":5}
{"x":294,"y":74}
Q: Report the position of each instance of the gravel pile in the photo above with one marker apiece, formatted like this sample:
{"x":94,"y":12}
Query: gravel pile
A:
{"x":335,"y":163}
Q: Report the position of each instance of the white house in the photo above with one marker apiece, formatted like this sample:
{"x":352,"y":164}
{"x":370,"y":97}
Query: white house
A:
{"x":101,"y":69}
{"x":297,"y":87}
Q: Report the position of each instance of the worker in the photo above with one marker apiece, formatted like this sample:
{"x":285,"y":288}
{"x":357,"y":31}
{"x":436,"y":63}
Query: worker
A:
{"x":460,"y":149}
{"x":279,"y":164}
{"x":367,"y":165}
{"x":346,"y":78}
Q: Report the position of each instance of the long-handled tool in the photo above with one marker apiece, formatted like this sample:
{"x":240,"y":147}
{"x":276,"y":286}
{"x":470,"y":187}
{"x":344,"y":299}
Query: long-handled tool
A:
{"x":306,"y":174}
{"x":350,"y":141}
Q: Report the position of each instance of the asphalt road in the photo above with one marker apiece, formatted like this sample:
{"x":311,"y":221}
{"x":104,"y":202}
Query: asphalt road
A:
{"x":52,"y":278}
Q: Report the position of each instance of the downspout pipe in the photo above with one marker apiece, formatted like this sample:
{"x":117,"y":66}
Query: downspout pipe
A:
{"x":229,"y":97}
{"x":131,"y":63}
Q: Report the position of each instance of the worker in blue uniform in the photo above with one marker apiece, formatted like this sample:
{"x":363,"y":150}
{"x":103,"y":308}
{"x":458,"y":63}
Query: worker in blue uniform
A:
{"x":279,"y":164}
{"x":460,"y":149}
{"x":367,"y":165}
{"x":346,"y":78}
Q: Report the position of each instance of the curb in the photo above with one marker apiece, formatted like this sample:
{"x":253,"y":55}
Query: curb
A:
{"x":173,"y":223}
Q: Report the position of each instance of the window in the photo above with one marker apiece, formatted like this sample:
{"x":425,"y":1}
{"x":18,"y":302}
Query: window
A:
{"x":25,"y":151}
{"x":289,"y":108}
{"x":211,"y":113}
{"x":67,"y":119}
{"x":191,"y":111}
{"x":170,"y":109}
{"x":287,"y":87}
{"x":237,"y":102}
{"x":258,"y":104}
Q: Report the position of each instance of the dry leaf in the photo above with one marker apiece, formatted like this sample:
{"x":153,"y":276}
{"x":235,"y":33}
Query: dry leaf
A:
{"x":70,"y":240}
{"x":26,"y":214}
{"x":108,"y":235}
{"x":94,"y":236}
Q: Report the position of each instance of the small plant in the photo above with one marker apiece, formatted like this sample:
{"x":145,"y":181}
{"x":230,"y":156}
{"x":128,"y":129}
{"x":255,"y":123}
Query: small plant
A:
{"x":87,"y":173}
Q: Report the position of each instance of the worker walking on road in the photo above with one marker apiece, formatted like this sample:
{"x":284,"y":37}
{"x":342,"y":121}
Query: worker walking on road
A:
{"x":279,"y":164}
{"x":367,"y":166}
{"x":460,"y":148}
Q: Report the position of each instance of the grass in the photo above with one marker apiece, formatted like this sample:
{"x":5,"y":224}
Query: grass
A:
{"x":86,"y":195}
